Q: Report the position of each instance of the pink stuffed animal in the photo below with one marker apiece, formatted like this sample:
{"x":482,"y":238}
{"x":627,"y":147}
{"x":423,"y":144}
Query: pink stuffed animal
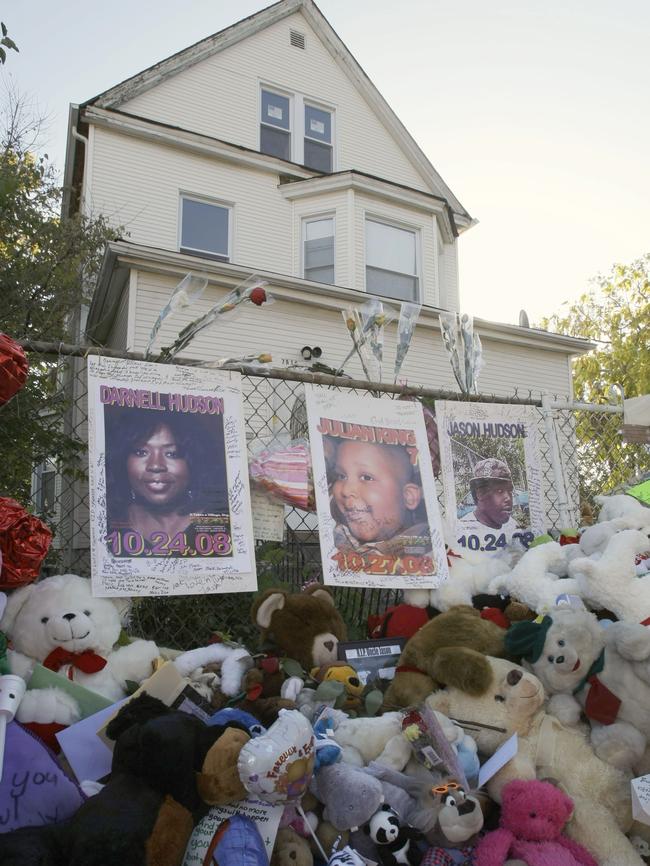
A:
{"x":532,"y":817}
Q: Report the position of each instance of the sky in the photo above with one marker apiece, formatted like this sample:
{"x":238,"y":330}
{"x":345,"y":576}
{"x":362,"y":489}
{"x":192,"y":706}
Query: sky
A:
{"x":533,"y":111}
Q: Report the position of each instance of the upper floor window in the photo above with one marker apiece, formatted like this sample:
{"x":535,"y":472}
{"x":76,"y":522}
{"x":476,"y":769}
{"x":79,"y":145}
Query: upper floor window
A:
{"x":205,"y":228}
{"x":44,"y":487}
{"x":318,"y":249}
{"x":318,"y":138}
{"x":295,"y":129}
{"x":391,"y":261}
{"x":275,"y":125}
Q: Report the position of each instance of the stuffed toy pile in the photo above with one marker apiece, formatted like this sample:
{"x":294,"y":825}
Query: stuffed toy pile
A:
{"x":282,"y":752}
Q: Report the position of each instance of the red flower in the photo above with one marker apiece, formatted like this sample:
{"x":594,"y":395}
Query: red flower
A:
{"x":13,"y":368}
{"x":24,"y":541}
{"x":258,"y":296}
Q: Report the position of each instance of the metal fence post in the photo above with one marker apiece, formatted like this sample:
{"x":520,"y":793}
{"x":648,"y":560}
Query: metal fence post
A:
{"x":556,"y":461}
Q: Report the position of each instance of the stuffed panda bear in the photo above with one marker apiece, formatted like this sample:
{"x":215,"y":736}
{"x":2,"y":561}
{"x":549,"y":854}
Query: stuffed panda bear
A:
{"x":395,"y":843}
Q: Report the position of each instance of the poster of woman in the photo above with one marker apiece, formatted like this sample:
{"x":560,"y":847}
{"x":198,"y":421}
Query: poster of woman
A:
{"x":378,"y":517}
{"x":491,"y":474}
{"x":170,"y":505}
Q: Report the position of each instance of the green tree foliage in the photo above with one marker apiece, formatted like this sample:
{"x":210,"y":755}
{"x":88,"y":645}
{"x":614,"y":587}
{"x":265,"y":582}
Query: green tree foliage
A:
{"x":5,"y":42}
{"x":47,"y":265}
{"x":615,"y":315}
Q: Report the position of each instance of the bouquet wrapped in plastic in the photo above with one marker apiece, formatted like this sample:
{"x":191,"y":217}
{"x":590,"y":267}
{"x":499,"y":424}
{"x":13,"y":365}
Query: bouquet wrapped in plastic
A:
{"x":252,"y":291}
{"x":283,"y":472}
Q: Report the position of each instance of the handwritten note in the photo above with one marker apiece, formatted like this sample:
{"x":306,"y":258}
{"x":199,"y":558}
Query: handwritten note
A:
{"x":265,"y":815}
{"x":268,"y":518}
{"x":641,"y":799}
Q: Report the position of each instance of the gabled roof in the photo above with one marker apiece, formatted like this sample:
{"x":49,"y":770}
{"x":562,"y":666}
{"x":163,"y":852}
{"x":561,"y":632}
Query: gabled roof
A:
{"x":182,"y":60}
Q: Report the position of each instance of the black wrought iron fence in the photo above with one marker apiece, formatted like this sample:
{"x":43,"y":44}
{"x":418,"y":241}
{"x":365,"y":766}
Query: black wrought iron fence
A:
{"x":43,"y":436}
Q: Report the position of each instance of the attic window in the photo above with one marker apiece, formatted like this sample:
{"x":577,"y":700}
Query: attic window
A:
{"x":297,"y":39}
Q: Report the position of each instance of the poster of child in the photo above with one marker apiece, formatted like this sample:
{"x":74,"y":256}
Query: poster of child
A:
{"x":169,"y":499}
{"x":491,"y":474}
{"x":378,"y":515}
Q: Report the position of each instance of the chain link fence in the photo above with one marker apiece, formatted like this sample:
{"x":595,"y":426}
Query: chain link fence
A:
{"x":43,"y":436}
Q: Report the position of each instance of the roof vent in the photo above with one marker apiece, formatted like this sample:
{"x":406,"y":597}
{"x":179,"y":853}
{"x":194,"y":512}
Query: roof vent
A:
{"x":297,"y":39}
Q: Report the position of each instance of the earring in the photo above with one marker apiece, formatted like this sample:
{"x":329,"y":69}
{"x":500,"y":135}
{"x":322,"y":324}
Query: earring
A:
{"x":132,"y":495}
{"x":190,"y":495}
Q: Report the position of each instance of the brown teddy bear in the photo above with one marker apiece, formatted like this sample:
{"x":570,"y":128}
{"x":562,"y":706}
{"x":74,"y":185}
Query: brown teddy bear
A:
{"x":456,"y":641}
{"x":304,"y":626}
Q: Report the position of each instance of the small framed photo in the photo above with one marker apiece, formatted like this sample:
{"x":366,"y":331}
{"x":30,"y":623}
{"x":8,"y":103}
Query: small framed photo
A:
{"x":373,"y":659}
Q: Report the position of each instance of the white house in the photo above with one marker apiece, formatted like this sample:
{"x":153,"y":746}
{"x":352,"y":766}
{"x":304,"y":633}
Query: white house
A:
{"x":266,"y":149}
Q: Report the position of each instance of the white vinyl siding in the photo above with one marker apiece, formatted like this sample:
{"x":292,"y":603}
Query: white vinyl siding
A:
{"x":285,"y":326}
{"x":319,"y":249}
{"x":118,"y":336}
{"x":137,"y":183}
{"x":220,"y":97}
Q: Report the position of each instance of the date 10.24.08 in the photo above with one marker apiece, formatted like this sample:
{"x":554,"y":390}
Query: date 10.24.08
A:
{"x":131,"y":543}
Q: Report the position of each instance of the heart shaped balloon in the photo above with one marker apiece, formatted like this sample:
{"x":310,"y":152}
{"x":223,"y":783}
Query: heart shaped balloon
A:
{"x":278,"y":766}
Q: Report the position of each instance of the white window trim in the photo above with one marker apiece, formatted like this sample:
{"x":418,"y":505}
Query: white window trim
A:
{"x":297,"y":103}
{"x":303,"y":225}
{"x":390,"y":221}
{"x":201,"y":199}
{"x":278,"y":91}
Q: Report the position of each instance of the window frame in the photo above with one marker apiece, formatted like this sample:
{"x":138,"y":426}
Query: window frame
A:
{"x":285,"y":94}
{"x":47,"y":467}
{"x":396,"y":224}
{"x":316,"y":217}
{"x":195,"y":251}
{"x":311,"y":103}
{"x":298,"y":102}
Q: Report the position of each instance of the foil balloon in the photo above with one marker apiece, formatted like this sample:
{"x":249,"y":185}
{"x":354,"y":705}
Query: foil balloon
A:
{"x":13,"y":368}
{"x":24,"y":542}
{"x":278,"y":766}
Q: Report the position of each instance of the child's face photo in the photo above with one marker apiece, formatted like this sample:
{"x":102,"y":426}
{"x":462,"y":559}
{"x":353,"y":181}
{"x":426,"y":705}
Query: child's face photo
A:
{"x":373,"y":490}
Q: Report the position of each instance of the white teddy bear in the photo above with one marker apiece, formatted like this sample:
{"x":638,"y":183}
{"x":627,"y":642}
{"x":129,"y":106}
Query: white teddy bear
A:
{"x":535,"y":579}
{"x":611,"y":581}
{"x":621,"y":505}
{"x":604,"y":672}
{"x":59,"y":623}
{"x":470,"y":573}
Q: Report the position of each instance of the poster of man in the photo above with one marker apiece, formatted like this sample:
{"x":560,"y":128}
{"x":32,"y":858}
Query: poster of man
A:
{"x":491,"y":474}
{"x":378,"y":517}
{"x":169,"y":504}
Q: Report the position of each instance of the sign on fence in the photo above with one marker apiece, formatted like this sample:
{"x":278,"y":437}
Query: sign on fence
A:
{"x":491,"y":471}
{"x":169,"y":498}
{"x":378,"y":517}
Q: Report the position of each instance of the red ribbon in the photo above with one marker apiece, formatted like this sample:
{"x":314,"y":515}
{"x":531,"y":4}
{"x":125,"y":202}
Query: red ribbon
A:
{"x":451,"y":553}
{"x":601,"y":704}
{"x":410,"y":669}
{"x":88,"y":662}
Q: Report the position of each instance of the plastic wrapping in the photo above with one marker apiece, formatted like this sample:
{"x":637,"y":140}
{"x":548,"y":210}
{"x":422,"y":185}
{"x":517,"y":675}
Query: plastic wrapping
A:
{"x":283,"y":473}
{"x":353,"y":323}
{"x":464,"y":349}
{"x":251,"y":291}
{"x":408,"y":317}
{"x":189,"y":290}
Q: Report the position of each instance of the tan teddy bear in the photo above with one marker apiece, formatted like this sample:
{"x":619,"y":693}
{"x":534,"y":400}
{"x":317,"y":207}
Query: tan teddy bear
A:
{"x":513,"y":703}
